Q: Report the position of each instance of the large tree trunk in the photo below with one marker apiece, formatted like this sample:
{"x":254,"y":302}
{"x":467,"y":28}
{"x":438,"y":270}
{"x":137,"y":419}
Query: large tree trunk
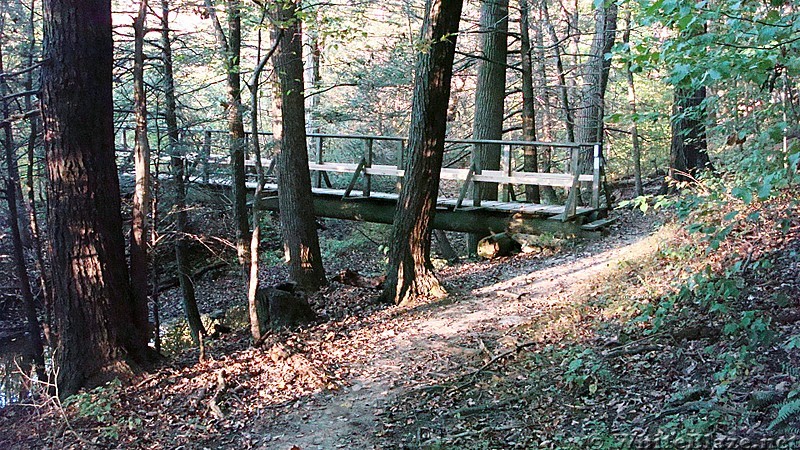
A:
{"x":196,"y":328}
{"x":141,"y":195}
{"x":589,"y":119}
{"x":590,"y":114}
{"x":93,"y":305}
{"x":531,"y":155}
{"x":689,"y":150}
{"x":410,"y":272}
{"x":490,"y":92}
{"x":298,"y":222}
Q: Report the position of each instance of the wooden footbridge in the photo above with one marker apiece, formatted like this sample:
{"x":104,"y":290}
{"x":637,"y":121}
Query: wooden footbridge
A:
{"x":364,"y":180}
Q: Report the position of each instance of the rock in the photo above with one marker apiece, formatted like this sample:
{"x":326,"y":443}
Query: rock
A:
{"x":497,"y":245}
{"x":282,"y":307}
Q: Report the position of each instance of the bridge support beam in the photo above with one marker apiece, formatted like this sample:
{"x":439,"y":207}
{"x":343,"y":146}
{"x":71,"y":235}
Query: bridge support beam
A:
{"x":473,"y":220}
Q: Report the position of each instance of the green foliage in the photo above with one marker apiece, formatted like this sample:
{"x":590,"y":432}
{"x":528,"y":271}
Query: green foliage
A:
{"x":100,"y":405}
{"x":788,"y":413}
{"x":585,"y":372}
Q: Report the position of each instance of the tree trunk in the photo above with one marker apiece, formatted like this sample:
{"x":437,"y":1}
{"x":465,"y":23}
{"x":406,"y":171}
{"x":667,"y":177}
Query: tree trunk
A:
{"x":569,"y":121}
{"x":236,"y":131}
{"x":30,"y":186}
{"x":636,"y":151}
{"x":230,"y":48}
{"x":445,"y":248}
{"x":531,"y":155}
{"x":252,"y":288}
{"x":93,"y":304}
{"x":196,"y":328}
{"x":689,"y":150}
{"x":547,"y":193}
{"x":141,"y":195}
{"x":490,"y":92}
{"x":13,"y":167}
{"x":589,"y":119}
{"x":12,"y":192}
{"x":298,"y":222}
{"x":410,"y":272}
{"x":20,"y":267}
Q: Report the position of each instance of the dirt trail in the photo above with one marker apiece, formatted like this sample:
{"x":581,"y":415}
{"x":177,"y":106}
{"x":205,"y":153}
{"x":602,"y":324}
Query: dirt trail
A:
{"x":450,"y":338}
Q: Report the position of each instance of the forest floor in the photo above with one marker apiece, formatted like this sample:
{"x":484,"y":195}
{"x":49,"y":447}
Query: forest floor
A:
{"x":575,"y":345}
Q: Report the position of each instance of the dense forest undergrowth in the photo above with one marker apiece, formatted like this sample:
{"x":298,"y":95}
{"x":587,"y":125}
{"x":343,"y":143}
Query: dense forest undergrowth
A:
{"x":673,"y":330}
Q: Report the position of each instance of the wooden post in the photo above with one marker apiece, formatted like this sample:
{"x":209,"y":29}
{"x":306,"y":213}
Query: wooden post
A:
{"x":598,"y":150}
{"x":477,"y":187}
{"x":318,"y":181}
{"x":206,"y":154}
{"x":367,"y":165}
{"x":506,"y":167}
{"x":572,"y":200}
{"x":245,"y":146}
{"x":400,"y":163}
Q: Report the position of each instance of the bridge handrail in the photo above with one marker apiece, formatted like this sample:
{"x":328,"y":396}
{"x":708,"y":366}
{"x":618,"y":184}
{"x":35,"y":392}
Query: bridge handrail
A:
{"x":403,"y":138}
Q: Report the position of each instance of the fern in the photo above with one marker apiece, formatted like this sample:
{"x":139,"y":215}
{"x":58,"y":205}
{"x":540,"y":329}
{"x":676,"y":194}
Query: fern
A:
{"x":788,"y":413}
{"x":791,"y":370}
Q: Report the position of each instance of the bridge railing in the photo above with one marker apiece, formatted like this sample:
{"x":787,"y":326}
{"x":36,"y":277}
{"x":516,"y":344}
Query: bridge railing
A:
{"x":364,"y":157}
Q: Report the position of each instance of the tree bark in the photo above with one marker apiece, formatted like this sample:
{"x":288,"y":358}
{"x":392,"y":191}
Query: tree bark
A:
{"x":590,"y":114}
{"x":93,"y":304}
{"x":410,"y":273}
{"x":490,"y":92}
{"x":689,"y":149}
{"x":141,"y":195}
{"x":298,"y":222}
{"x":589,"y":120}
{"x":196,"y":328}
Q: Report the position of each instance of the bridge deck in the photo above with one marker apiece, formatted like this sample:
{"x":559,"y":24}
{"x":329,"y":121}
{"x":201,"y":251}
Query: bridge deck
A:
{"x":527,"y":209}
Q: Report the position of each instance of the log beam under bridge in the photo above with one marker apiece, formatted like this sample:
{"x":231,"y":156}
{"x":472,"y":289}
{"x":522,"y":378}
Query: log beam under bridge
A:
{"x":490,"y":217}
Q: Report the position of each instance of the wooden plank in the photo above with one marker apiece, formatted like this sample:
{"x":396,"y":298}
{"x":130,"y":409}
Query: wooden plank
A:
{"x":455,"y":174}
{"x":530,"y":178}
{"x":598,"y":224}
{"x":334,"y":167}
{"x":367,"y":164}
{"x":596,"y":176}
{"x":384,"y":170}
